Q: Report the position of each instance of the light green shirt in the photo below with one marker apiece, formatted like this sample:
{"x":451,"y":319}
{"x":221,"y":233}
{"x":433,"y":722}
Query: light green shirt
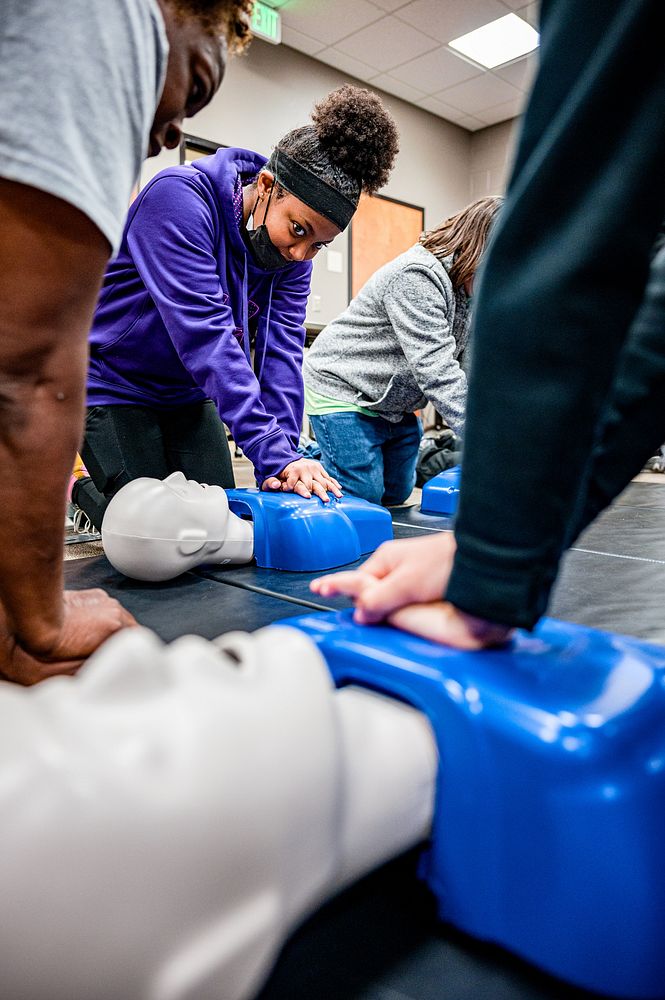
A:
{"x":316,"y":405}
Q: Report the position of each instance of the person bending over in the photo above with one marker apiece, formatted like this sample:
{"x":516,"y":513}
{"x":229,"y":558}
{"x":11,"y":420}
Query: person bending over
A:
{"x":107,"y":80}
{"x":569,"y":338}
{"x":401,"y":343}
{"x":201,"y":317}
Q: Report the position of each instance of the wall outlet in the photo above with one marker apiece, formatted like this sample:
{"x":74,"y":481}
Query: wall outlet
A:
{"x":316,"y":303}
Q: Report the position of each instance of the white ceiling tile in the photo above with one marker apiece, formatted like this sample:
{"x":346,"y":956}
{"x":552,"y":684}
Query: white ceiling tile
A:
{"x":501,"y":112}
{"x":386,"y":43}
{"x":435,"y":71}
{"x":391,"y":5}
{"x":439,"y":108}
{"x":470,"y":123}
{"x":483,"y":91}
{"x":303,"y":43}
{"x":329,"y":21}
{"x":531,"y":14}
{"x":396,"y":46}
{"x":348,"y":65}
{"x":396,"y":87}
{"x":448,"y":19}
{"x":519,"y":73}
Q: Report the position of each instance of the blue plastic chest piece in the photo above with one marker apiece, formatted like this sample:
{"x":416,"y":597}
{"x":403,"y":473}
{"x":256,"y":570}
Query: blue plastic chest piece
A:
{"x":549,"y":829}
{"x":441,"y":492}
{"x":307,"y":535}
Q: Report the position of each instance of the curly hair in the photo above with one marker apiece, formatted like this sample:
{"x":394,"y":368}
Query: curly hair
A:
{"x":463,"y":237}
{"x":351,"y":144}
{"x":231,"y":18}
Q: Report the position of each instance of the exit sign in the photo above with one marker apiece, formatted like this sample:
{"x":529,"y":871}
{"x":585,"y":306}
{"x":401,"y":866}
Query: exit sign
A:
{"x":266,"y":23}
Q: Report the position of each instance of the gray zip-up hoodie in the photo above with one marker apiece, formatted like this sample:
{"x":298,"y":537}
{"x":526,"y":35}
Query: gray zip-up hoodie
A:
{"x":399,"y":344}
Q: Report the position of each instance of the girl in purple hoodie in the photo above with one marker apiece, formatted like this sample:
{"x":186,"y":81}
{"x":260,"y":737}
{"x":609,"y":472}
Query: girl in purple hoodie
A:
{"x":200,"y":321}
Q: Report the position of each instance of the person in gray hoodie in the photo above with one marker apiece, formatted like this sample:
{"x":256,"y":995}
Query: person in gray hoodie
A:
{"x":401,"y":343}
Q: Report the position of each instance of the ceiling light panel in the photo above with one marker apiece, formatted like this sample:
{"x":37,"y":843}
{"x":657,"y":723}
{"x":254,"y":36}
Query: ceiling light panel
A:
{"x":498,"y":42}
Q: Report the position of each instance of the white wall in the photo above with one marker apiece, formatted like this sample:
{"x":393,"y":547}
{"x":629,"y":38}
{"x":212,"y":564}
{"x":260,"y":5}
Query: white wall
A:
{"x":273,"y":89}
{"x":491,"y":156}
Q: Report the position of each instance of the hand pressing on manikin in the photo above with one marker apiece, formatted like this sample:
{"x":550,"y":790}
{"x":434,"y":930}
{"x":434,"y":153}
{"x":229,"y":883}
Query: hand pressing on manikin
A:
{"x":89,"y":618}
{"x":304,"y":477}
{"x":403,"y":583}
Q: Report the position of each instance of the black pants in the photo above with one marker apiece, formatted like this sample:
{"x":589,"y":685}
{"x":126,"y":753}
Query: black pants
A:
{"x":123,"y":443}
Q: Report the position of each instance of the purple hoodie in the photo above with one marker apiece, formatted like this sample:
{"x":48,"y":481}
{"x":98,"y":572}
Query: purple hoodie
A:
{"x":180,"y":302}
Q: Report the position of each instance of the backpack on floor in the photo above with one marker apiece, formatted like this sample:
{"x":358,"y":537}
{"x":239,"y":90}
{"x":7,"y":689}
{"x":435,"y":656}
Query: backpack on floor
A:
{"x":437,"y":452}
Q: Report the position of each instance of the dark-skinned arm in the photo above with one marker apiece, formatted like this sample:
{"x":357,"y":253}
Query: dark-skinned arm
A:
{"x":52,"y":260}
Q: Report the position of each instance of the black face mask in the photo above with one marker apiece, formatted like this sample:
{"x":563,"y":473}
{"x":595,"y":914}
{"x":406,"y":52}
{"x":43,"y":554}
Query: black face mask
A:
{"x":262,"y":248}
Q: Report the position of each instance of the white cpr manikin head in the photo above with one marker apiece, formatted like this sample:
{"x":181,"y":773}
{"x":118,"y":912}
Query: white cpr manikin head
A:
{"x":166,"y":815}
{"x":156,"y":529}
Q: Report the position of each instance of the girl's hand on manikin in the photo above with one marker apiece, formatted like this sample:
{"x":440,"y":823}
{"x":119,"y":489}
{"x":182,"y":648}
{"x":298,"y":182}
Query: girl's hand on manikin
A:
{"x":304,"y":477}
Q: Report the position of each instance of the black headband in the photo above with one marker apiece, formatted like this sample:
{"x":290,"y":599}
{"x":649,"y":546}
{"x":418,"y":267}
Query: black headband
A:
{"x":305,"y":185}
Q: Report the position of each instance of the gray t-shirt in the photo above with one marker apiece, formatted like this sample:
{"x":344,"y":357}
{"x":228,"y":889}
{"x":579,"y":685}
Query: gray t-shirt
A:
{"x":79,"y":84}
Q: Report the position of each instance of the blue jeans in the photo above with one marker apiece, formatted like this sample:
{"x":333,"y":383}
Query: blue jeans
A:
{"x":371,"y":457}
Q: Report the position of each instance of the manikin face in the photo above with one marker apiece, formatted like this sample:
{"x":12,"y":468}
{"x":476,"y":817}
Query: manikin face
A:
{"x":196,"y":65}
{"x":192,"y":498}
{"x":156,"y":529}
{"x":165,"y":814}
{"x":297,"y":230}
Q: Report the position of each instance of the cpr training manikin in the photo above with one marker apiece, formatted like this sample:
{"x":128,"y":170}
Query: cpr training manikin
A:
{"x":172,"y":812}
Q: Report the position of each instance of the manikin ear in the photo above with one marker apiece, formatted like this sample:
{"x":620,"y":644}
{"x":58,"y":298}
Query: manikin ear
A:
{"x":191,"y":540}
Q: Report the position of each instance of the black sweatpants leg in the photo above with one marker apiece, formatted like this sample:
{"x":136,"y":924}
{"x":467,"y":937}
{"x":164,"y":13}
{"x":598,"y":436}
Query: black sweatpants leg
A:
{"x":123,"y":443}
{"x":93,"y":503}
